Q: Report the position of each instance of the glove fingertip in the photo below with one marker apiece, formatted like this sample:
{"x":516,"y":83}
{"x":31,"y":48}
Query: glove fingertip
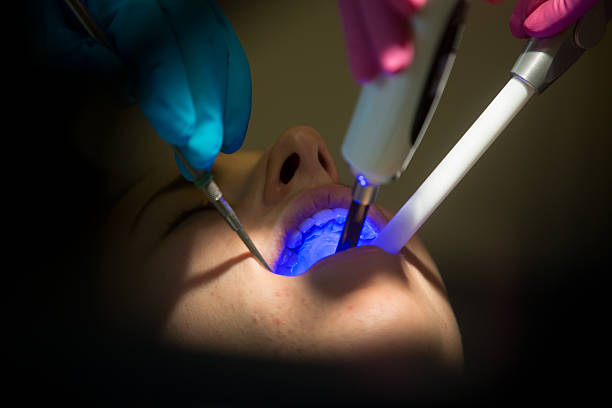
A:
{"x":407,"y":7}
{"x":536,"y":26}
{"x":397,"y":58}
{"x":550,"y":18}
{"x":416,"y":5}
{"x":231,"y":144}
{"x":204,"y":146}
{"x":200,"y":160}
{"x":173,"y":126}
{"x":361,"y":58}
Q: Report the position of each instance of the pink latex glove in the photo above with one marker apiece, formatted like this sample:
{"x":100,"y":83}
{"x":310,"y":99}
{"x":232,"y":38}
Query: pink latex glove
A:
{"x":377,"y":36}
{"x":544,"y":18}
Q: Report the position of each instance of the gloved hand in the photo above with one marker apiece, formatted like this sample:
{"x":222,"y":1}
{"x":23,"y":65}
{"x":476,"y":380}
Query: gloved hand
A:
{"x":545,"y":18}
{"x":190,"y":75}
{"x":377,"y":35}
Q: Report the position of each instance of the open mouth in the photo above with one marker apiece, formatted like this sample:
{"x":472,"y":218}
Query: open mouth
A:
{"x":316,"y":238}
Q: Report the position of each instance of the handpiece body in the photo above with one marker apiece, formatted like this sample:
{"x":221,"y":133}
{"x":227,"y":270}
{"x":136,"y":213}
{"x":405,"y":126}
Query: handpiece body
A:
{"x":389,"y":119}
{"x":393,"y":111}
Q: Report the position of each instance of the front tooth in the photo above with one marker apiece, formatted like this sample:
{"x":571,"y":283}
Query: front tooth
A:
{"x":341,"y":214}
{"x":323,"y":217}
{"x":306,"y":225}
{"x":294,"y":240}
{"x":283,"y":257}
{"x":337,"y":227}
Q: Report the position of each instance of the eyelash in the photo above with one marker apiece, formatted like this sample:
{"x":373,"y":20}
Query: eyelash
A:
{"x":186,"y":214}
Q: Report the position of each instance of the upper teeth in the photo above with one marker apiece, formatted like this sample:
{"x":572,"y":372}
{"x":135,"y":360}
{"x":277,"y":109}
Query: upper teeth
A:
{"x":318,"y":219}
{"x":292,"y":254}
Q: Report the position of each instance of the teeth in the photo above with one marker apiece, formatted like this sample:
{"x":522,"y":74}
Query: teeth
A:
{"x":341,"y":214}
{"x":313,"y":235}
{"x":323,"y":217}
{"x":288,"y":260}
{"x":284,"y":256}
{"x":294,"y":240}
{"x":337,"y":227}
{"x":306,"y":225}
{"x":307,"y":244}
{"x":292,"y":259}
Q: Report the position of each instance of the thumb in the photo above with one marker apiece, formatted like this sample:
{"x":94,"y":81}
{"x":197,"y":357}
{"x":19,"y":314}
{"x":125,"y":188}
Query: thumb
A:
{"x":554,"y":16}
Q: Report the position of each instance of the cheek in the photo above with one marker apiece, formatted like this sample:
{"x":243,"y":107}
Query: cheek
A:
{"x":189,"y":259}
{"x":214,"y":283}
{"x":201,"y":252}
{"x":238,"y":309}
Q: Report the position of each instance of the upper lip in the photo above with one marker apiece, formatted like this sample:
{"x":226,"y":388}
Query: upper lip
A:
{"x":308,"y":202}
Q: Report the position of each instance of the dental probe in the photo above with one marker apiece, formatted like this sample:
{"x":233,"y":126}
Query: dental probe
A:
{"x":393,"y":112}
{"x":542,"y":62}
{"x":202,"y":179}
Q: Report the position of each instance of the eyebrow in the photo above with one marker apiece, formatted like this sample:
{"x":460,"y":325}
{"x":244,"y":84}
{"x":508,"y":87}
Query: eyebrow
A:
{"x":177,"y":183}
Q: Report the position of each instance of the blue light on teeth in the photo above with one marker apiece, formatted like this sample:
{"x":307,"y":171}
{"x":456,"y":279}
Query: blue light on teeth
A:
{"x":317,"y":238}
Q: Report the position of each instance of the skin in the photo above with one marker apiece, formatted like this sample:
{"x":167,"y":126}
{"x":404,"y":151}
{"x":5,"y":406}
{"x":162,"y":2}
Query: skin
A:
{"x":200,"y":289}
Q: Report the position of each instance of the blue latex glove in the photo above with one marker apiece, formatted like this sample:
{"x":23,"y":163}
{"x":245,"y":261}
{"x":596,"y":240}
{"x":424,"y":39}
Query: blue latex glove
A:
{"x":190,"y":75}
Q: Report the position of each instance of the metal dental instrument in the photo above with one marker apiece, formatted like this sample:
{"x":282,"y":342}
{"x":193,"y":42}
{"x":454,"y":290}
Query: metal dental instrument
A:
{"x":393,"y":112}
{"x":203,"y":179}
{"x":81,"y":13}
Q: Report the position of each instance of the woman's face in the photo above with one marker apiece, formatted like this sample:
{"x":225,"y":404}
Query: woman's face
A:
{"x":194,"y":280}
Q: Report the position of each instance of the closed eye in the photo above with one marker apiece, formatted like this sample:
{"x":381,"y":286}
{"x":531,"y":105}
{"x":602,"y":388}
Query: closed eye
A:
{"x":184,"y":216}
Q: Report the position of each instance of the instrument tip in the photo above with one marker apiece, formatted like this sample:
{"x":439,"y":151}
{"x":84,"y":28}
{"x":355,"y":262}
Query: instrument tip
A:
{"x":352,"y":226}
{"x":252,"y":248}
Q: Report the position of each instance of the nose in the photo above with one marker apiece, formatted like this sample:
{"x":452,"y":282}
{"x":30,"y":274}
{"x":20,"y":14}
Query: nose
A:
{"x":298,"y":160}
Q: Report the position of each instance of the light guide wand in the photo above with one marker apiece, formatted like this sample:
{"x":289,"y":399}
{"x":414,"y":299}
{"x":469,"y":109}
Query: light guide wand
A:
{"x":364,"y":195}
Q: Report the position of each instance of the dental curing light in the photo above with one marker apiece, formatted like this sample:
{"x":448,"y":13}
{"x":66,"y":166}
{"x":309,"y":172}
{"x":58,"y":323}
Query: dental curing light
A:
{"x":393,"y":112}
{"x":542,"y":62}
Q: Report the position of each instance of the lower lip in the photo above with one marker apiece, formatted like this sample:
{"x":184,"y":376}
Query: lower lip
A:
{"x":358,"y":262}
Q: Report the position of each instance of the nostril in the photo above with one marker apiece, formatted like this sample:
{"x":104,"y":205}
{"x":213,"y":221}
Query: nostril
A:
{"x":289,"y":168}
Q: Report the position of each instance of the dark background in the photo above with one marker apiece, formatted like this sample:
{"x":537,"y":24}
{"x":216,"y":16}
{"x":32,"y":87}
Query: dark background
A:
{"x":522,"y":242}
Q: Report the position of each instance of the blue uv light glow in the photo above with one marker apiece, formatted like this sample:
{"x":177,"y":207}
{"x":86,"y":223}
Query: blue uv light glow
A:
{"x":318,"y":242}
{"x":362,"y":180}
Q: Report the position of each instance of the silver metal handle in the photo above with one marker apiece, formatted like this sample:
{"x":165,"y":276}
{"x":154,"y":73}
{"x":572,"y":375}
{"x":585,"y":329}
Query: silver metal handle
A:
{"x":546,"y":59}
